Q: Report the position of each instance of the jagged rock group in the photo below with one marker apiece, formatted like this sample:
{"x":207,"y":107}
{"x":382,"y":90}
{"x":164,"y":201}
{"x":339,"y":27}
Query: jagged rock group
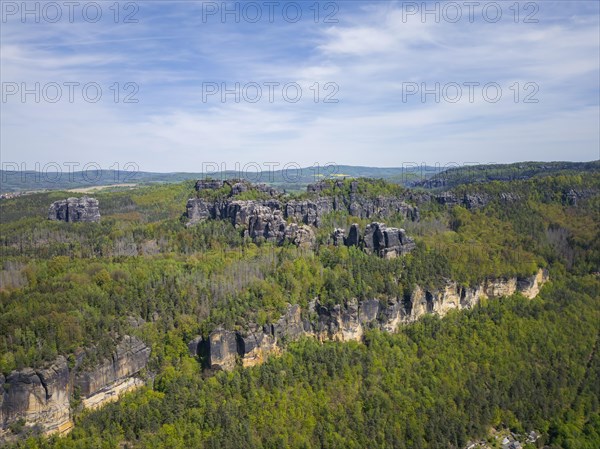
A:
{"x":74,"y":210}
{"x":43,"y":397}
{"x":278,"y":220}
{"x":346,"y":322}
{"x":377,"y":239}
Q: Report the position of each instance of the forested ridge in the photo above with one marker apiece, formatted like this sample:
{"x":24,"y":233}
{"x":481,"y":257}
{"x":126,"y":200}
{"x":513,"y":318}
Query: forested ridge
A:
{"x":508,"y":363}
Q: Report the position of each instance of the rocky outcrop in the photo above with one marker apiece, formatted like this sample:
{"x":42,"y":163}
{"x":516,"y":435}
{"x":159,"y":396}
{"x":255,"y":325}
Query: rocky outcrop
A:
{"x":208,"y":184}
{"x":302,"y":236}
{"x":129,"y":358}
{"x":238,"y":186}
{"x":386,"y":242}
{"x":348,"y":322}
{"x":270,"y":218}
{"x":43,"y":397}
{"x":530,"y":286}
{"x":381,"y":207}
{"x":353,"y":236}
{"x":223,"y":349}
{"x":338,"y":237}
{"x":290,"y":326}
{"x":473,"y":200}
{"x":112,"y":393}
{"x":572,"y":197}
{"x":73,"y":210}
{"x":194,"y":346}
{"x":377,"y":239}
{"x":39,"y":397}
{"x":309,"y":212}
{"x":470,"y":201}
{"x":255,"y":345}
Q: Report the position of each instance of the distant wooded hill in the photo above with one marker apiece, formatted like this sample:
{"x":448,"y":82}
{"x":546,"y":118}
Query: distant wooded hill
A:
{"x":294,"y":179}
{"x":502,"y":172}
{"x":286,"y":179}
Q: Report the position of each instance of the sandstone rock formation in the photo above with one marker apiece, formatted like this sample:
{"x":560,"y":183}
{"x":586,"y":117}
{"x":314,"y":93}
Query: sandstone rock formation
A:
{"x":129,"y":358}
{"x":386,"y":242}
{"x":353,"y":235}
{"x":208,"y":184}
{"x":348,"y":322}
{"x":223,"y":349}
{"x":74,"y":210}
{"x":270,"y":218}
{"x":377,"y":239}
{"x":38,"y":396}
{"x":338,"y":237}
{"x":42,"y":397}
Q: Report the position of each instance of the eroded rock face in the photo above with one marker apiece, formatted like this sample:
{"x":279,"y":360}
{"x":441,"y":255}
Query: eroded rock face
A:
{"x":302,"y":236}
{"x":42,"y":397}
{"x":468,"y":200}
{"x":129,"y":358}
{"x":353,"y":235}
{"x":198,"y":210}
{"x":269,"y":219}
{"x":338,"y":237}
{"x":38,"y":397}
{"x":309,"y":212}
{"x":530,"y":286}
{"x":255,"y":345}
{"x":208,"y":184}
{"x":386,"y":242}
{"x":74,"y":210}
{"x":223,"y":349}
{"x":194,"y":346}
{"x":475,"y":201}
{"x":382,"y":207}
{"x":290,"y":326}
{"x":348,"y":321}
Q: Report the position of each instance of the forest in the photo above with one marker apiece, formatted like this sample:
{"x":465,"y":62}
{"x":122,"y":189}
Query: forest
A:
{"x":509,"y":363}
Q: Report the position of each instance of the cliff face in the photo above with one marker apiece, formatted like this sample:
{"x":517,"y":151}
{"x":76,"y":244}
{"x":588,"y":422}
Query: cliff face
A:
{"x":348,"y":322}
{"x":42,"y":397}
{"x":75,"y":210}
{"x":129,"y":358}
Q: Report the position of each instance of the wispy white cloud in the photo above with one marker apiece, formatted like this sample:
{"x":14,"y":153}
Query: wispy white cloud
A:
{"x":369,"y":54}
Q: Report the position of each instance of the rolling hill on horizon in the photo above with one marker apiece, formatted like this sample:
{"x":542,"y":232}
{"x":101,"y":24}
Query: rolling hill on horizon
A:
{"x":293,"y":179}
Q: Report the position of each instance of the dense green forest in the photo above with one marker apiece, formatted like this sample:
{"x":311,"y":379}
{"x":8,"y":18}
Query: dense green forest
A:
{"x":439,"y":383}
{"x":469,"y":174}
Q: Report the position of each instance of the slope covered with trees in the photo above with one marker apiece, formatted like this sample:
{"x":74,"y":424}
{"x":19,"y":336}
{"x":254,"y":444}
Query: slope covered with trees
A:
{"x":438,"y":383}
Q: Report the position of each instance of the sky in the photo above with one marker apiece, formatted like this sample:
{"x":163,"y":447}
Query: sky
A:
{"x":180,"y":85}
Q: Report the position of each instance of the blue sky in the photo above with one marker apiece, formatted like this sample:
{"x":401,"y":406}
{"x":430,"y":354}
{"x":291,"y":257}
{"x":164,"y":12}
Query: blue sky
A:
{"x":373,"y":53}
